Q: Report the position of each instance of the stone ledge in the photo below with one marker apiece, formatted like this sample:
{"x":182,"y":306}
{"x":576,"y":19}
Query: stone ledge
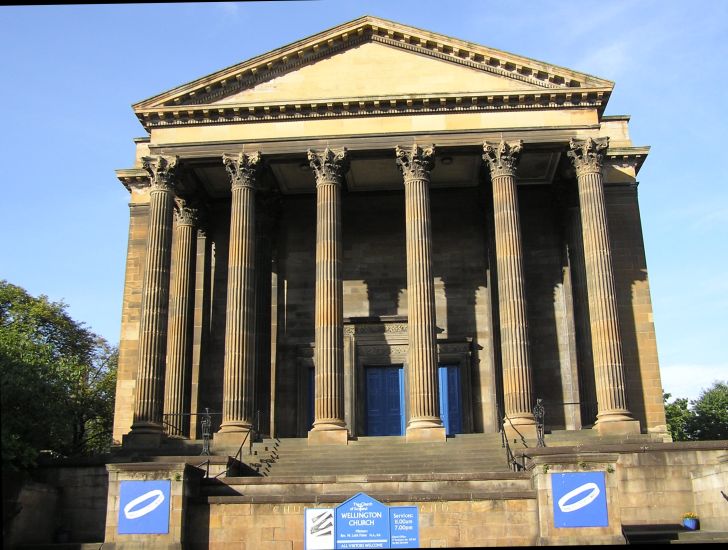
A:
{"x":382,"y":497}
{"x":624,"y":448}
{"x":375,"y":478}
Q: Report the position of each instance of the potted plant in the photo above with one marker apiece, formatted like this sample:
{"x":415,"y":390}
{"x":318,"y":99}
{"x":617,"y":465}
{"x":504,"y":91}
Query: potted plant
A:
{"x":690,"y":521}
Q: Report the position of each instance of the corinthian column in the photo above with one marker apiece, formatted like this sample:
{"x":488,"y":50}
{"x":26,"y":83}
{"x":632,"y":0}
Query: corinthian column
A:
{"x":329,"y":425}
{"x":613,"y":415}
{"x":155,"y":300}
{"x":179,"y":345}
{"x":424,"y":410}
{"x":502,"y":160}
{"x":238,"y":407}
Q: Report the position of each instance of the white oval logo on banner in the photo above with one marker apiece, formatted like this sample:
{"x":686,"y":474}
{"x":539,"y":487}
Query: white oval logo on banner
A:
{"x":130,"y":513}
{"x":584,"y":501}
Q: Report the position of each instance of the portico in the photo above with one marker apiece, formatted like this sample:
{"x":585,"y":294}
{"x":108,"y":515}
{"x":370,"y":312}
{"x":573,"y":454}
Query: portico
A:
{"x":297,"y":212}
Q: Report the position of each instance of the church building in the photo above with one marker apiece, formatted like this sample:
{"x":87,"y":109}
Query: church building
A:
{"x":380,"y":230}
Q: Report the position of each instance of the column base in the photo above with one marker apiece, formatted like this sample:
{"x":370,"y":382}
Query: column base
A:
{"x":230,"y":441}
{"x":432,"y":434}
{"x":618,"y":427}
{"x":338,"y":436}
{"x":520,"y":431}
{"x":142,"y":441}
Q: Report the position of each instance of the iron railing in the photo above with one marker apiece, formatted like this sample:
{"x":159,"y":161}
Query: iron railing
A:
{"x":511,"y":459}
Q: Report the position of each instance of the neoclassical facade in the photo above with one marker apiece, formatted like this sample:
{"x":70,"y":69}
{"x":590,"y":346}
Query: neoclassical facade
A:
{"x":380,"y":230}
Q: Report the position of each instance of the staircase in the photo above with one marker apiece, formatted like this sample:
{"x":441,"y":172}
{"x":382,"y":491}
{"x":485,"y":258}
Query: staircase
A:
{"x":462,"y":454}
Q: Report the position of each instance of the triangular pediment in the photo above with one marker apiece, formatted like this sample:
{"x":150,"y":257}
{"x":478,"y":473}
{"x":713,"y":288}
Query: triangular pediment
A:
{"x":371,"y":59}
{"x":372,"y":69}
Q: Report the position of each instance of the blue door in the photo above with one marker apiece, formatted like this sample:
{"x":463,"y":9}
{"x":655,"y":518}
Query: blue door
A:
{"x":450,"y":409}
{"x":385,"y":400}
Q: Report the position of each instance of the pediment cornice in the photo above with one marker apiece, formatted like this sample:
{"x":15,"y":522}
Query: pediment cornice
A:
{"x":544,"y":85}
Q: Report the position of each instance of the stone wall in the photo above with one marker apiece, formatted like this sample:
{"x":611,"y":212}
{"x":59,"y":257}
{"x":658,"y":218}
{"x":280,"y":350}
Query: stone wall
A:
{"x":62,"y":503}
{"x":375,"y":282}
{"x":710,"y":487}
{"x":636,"y":323}
{"x":130,"y":319}
{"x":442,"y":524}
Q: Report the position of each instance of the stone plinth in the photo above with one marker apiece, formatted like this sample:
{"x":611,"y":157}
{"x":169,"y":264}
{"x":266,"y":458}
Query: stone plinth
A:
{"x":183,"y":479}
{"x":547,"y":466}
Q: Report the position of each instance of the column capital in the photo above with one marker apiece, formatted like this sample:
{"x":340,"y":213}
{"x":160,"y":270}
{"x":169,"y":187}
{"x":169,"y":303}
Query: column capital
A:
{"x":186,"y":211}
{"x":587,"y":155}
{"x":415,"y":163}
{"x":502,"y":158}
{"x":243,"y":168}
{"x":161,"y":171}
{"x":329,"y":166}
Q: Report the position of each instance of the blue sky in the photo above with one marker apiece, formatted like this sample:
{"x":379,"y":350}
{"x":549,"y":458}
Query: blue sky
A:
{"x":70,"y":73}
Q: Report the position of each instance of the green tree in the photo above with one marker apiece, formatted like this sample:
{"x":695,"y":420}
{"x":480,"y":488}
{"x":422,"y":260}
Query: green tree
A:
{"x":678,"y":415}
{"x":710,"y":414}
{"x":57,"y":381}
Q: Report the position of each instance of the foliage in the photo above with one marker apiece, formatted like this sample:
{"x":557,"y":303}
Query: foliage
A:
{"x":705,"y":419}
{"x":690,"y":515}
{"x":710,"y":414}
{"x":57,"y":381}
{"x":677,"y":414}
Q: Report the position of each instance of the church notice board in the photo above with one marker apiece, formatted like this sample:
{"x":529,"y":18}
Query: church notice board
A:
{"x":361,"y":522}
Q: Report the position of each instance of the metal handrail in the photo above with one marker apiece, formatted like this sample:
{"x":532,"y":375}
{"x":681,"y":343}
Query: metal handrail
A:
{"x":512,"y":461}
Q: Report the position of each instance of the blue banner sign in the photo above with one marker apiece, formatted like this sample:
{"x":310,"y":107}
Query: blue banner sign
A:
{"x":144,"y":507}
{"x":580,"y":499}
{"x":404,"y":527}
{"x":362,"y":522}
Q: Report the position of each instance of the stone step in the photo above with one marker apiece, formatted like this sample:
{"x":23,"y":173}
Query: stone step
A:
{"x":701,"y":537}
{"x":369,"y":455}
{"x":493,"y":484}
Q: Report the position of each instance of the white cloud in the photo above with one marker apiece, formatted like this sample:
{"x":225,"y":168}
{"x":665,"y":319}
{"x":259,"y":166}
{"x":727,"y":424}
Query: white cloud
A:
{"x":689,"y":380}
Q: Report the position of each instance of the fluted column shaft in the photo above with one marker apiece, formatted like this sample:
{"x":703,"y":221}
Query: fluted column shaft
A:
{"x":423,"y":395}
{"x":329,"y":169}
{"x":603,"y":318}
{"x":149,"y":389}
{"x":502,"y":161}
{"x":179,"y":345}
{"x":238,"y":408}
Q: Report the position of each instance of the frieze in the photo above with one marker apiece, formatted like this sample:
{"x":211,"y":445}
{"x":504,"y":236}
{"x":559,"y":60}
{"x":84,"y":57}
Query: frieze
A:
{"x":383,"y":350}
{"x":161,"y":171}
{"x":460,"y":347}
{"x":359,"y":107}
{"x":415,"y":163}
{"x":376,"y":328}
{"x":502,"y":158}
{"x":587,"y":155}
{"x":242,"y":168}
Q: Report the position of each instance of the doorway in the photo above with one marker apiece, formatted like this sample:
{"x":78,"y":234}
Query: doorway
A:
{"x":450,"y":400}
{"x":385,"y":400}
